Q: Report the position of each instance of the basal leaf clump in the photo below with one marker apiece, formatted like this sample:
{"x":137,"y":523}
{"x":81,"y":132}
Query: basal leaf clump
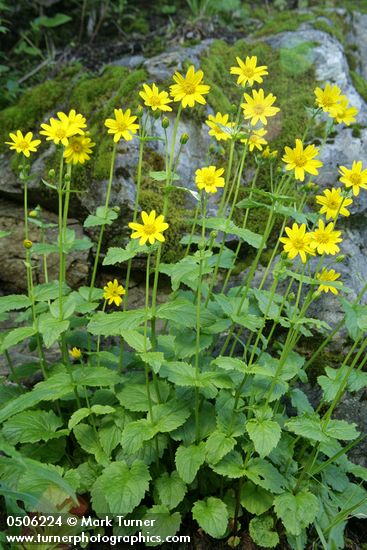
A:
{"x":191,"y":412}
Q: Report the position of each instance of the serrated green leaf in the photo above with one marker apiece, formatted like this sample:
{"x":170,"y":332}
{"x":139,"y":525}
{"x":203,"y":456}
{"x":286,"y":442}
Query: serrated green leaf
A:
{"x":136,"y":340}
{"x":340,"y":429}
{"x":218,"y":445}
{"x":308,"y":426}
{"x":263,"y":473}
{"x":212,"y":516}
{"x":154,"y":359}
{"x":15,"y":336}
{"x":117,"y":255}
{"x":33,"y":426}
{"x":124,"y":487}
{"x":255,"y":499}
{"x":135,"y":434}
{"x":264,"y":434}
{"x":171,"y":489}
{"x":296,"y":511}
{"x":134,"y":397}
{"x":82,"y":413}
{"x":162,"y":524}
{"x":188,"y":461}
{"x":94,"y":376}
{"x":51,"y":328}
{"x":261,"y":532}
{"x":114,"y":324}
{"x":171,"y":415}
{"x":89,"y":442}
{"x":13,"y":301}
{"x":230,"y":466}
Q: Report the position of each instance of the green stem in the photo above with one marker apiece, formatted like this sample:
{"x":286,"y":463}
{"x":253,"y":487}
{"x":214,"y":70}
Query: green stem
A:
{"x":100,"y":238}
{"x":146,"y":366}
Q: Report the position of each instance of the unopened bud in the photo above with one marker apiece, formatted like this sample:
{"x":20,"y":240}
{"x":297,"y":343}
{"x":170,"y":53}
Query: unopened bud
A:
{"x":139,"y":111}
{"x":33,"y":214}
{"x":234,"y":109}
{"x":212,"y":148}
{"x":213,"y":234}
{"x":291,"y":296}
{"x":156,"y":115}
{"x":27,"y":243}
{"x":340,"y":258}
{"x":184,"y":139}
{"x":67,"y":178}
{"x":116,"y":209}
{"x":51,"y":173}
{"x":165,"y":123}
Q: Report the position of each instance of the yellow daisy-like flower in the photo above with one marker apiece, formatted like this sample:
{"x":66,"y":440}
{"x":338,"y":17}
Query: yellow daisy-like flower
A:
{"x":342,"y":113}
{"x":301,"y":160}
{"x":58,"y":132}
{"x":328,"y":276}
{"x":355,"y":177}
{"x":258,"y":107}
{"x":267,"y":153}
{"x":328,"y":97}
{"x":324,"y":239}
{"x":155,"y":99}
{"x":333,"y":203}
{"x":189,"y":88}
{"x":113,"y":292}
{"x":248,"y":72}
{"x":256,"y":139}
{"x":78,"y":149}
{"x":23,"y":144}
{"x":150,"y":230}
{"x":122,"y":126}
{"x":297,"y":242}
{"x":219,"y":126}
{"x":75,"y":353}
{"x":74,"y":120}
{"x":209,"y":178}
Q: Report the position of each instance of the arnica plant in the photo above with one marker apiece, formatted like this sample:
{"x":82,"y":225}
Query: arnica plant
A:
{"x":191,"y":412}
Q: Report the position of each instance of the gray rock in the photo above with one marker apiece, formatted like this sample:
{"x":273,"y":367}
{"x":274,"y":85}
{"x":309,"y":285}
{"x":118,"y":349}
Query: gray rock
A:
{"x":358,"y":38}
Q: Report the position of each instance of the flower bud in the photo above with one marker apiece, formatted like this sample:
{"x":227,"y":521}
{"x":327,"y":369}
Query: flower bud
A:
{"x":340,"y":258}
{"x":234,"y":109}
{"x":156,"y":115}
{"x":67,"y":178}
{"x":184,"y":139}
{"x":51,"y":173}
{"x":116,"y":209}
{"x":27,"y":243}
{"x":165,"y":123}
{"x":139,"y":111}
{"x":213,"y":234}
{"x":212,"y":148}
{"x":33,"y":214}
{"x":291,"y":296}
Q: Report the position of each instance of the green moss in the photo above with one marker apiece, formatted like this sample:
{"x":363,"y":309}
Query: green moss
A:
{"x":283,"y":21}
{"x":360,"y":84}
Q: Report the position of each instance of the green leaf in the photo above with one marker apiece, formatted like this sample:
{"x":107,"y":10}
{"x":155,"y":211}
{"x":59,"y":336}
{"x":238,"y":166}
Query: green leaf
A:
{"x":13,"y":301}
{"x":183,"y":312}
{"x":261,"y":532}
{"x":212,"y":516}
{"x":136,"y":340}
{"x":48,"y":291}
{"x":162,"y":176}
{"x":51,"y":22}
{"x":263,"y":473}
{"x":114,"y":324}
{"x":255,"y":499}
{"x":340,"y":429}
{"x":15,"y":336}
{"x":94,"y":376}
{"x":33,"y":426}
{"x":87,"y":439}
{"x":134,"y":397}
{"x":171,"y":489}
{"x":162,"y":524}
{"x":308,"y":426}
{"x":296,"y":511}
{"x":51,"y":328}
{"x":135,"y":434}
{"x":228,"y":227}
{"x":117,"y":255}
{"x":218,"y":445}
{"x":264,"y":434}
{"x":51,"y":389}
{"x":230,"y":363}
{"x":103,"y":217}
{"x":154,"y":359}
{"x":171,"y":415}
{"x":230,"y":466}
{"x":179,"y":373}
{"x":82,"y":413}
{"x":124,"y":487}
{"x":185,"y":271}
{"x":188,"y":461}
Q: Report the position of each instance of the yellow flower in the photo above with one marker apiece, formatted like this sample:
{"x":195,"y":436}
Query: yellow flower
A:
{"x":122,"y":126}
{"x":267,"y":153}
{"x":78,"y":149}
{"x":324,"y":239}
{"x":326,"y":277}
{"x":356,"y":178}
{"x":219,"y":126}
{"x":256,"y":139}
{"x":57,"y":131}
{"x":301,"y":160}
{"x":248,"y":72}
{"x":150,"y":230}
{"x":297,"y":242}
{"x":342,"y":113}
{"x":258,"y":107}
{"x":333,"y":203}
{"x":189,"y":88}
{"x":23,"y":144}
{"x":74,"y":120}
{"x":75,"y":353}
{"x":328,"y":97}
{"x":113,"y":292}
{"x":209,"y":178}
{"x":155,"y":99}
